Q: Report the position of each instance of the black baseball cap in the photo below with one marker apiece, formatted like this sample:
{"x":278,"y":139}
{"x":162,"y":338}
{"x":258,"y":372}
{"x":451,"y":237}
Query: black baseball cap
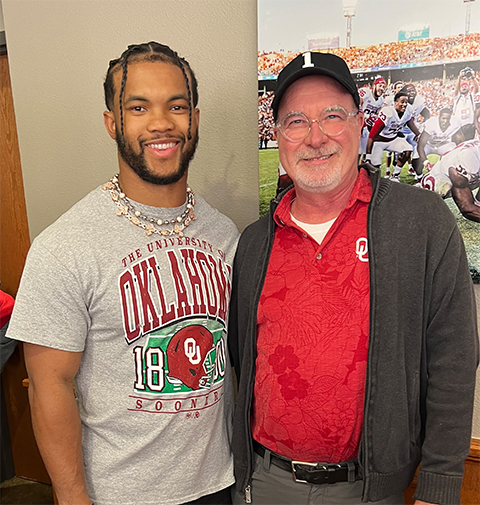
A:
{"x":310,"y":63}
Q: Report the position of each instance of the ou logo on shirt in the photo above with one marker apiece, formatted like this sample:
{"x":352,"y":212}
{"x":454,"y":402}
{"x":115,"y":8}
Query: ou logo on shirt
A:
{"x":362,"y":249}
{"x":192,"y":351}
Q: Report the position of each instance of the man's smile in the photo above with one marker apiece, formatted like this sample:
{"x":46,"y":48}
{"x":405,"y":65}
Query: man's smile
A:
{"x":168,"y":145}
{"x":319,"y":158}
{"x":162,"y":148}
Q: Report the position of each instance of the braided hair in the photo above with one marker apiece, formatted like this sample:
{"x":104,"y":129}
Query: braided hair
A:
{"x":149,"y":51}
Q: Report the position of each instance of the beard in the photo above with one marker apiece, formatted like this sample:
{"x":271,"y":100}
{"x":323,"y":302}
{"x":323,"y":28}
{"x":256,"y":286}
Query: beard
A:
{"x":136,"y":161}
{"x":317,"y":180}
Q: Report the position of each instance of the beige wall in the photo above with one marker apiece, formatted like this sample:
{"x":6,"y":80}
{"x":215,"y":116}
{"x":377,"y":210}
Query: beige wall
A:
{"x":59,"y":52}
{"x":2,"y":26}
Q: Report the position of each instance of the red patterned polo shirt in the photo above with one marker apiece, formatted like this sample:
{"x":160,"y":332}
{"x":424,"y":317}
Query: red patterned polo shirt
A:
{"x":312,"y":324}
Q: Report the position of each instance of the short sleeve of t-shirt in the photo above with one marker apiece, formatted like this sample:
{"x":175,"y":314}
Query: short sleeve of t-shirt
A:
{"x":59,"y":321}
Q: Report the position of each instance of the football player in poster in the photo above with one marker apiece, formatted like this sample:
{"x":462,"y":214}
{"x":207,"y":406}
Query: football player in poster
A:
{"x":371,"y":100}
{"x":386,"y":133}
{"x":417,"y":102}
{"x":436,"y":137}
{"x":457,"y":174}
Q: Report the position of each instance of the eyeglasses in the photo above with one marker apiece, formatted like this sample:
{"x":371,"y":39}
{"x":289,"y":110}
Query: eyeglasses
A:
{"x":296,"y":126}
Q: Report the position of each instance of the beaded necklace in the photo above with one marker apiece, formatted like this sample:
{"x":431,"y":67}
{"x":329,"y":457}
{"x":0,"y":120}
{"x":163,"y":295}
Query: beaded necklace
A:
{"x":149,"y":224}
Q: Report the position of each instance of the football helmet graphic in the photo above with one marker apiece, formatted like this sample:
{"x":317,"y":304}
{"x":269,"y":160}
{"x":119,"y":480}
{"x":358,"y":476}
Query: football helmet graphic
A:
{"x":189,"y":356}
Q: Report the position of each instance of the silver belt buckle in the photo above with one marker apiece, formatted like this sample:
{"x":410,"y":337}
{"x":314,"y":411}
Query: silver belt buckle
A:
{"x":294,"y":470}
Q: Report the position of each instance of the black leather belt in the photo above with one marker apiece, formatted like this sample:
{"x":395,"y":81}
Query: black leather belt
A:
{"x":313,"y":473}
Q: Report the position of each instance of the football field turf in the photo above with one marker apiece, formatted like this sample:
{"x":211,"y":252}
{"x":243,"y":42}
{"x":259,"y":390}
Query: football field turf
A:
{"x":268,"y":173}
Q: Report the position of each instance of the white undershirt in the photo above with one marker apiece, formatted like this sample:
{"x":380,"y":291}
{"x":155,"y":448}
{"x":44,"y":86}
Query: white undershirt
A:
{"x":316,"y":231}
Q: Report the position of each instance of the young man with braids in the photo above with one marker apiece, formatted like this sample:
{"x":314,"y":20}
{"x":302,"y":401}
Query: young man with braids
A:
{"x":123,"y":309}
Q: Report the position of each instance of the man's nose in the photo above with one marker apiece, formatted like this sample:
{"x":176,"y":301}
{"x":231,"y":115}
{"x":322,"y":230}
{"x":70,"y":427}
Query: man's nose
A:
{"x":160,"y":121}
{"x":316,"y":136}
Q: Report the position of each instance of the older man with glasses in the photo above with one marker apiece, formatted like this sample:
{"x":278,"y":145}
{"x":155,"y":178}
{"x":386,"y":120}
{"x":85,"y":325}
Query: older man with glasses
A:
{"x":352,"y":328}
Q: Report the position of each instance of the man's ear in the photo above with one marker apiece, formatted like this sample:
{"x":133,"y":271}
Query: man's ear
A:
{"x":359,"y":119}
{"x":109,"y":121}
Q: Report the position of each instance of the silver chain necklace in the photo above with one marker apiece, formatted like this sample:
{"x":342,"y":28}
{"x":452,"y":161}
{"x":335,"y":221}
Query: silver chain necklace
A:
{"x":149,"y":224}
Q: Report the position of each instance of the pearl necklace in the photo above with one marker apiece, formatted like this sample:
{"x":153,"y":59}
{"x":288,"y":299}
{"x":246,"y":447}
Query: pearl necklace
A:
{"x":126,"y":208}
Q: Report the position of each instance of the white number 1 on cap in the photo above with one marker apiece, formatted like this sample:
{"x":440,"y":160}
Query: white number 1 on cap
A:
{"x":308,"y":60}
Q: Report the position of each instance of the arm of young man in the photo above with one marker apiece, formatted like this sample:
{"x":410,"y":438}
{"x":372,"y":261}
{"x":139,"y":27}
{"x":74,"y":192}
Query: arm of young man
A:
{"x":422,"y":142}
{"x":413,"y":127}
{"x":374,"y":135}
{"x":369,"y":145}
{"x":466,"y":203}
{"x":56,"y":420}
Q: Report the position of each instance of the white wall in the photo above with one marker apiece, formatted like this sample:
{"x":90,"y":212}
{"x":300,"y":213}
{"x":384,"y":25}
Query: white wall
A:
{"x":58,"y":54}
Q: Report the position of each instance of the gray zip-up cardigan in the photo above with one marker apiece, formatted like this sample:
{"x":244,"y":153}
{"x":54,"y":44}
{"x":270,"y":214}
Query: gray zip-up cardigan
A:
{"x":423,"y":345}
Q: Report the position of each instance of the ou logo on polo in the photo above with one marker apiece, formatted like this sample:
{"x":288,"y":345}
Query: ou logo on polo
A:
{"x":362,"y":249}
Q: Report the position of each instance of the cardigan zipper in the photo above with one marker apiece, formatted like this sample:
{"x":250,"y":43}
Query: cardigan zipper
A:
{"x":363,"y":455}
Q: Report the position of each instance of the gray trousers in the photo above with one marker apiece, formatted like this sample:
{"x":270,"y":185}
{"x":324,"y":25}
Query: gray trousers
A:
{"x":273,"y":486}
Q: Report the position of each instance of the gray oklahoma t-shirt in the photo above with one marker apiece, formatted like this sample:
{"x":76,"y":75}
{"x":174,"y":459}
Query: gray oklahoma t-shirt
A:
{"x":149,"y":313}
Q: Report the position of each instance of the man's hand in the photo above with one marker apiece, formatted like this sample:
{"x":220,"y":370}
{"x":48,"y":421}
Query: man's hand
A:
{"x":419,"y":502}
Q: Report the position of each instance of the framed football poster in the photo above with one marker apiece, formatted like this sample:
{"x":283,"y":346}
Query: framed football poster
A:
{"x":428,"y":49}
